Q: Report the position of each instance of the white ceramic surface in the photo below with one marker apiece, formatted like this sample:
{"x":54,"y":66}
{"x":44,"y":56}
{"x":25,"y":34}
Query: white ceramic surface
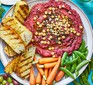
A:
{"x":8,"y":2}
{"x":87,"y":36}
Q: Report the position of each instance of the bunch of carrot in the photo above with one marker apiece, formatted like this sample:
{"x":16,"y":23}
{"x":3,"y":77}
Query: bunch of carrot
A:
{"x":48,"y":71}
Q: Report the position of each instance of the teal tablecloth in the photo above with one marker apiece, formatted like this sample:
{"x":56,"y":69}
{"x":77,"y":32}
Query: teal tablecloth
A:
{"x":90,"y":16}
{"x":1,"y":66}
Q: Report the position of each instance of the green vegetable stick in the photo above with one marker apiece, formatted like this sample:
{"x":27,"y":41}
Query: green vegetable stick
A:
{"x":79,"y":54}
{"x":89,"y":67}
{"x":82,"y":46}
{"x":91,"y":63}
{"x":68,"y":67}
{"x":81,"y":80}
{"x":85,"y":53}
{"x":86,"y":73}
{"x":92,"y":77}
{"x":74,"y":65}
{"x":72,"y":61}
{"x":84,"y":50}
{"x":63,"y":58}
{"x":82,"y":64}
{"x":79,"y":60}
{"x":77,"y":73}
{"x":85,"y":80}
{"x":67,"y":72}
{"x":76,"y":83}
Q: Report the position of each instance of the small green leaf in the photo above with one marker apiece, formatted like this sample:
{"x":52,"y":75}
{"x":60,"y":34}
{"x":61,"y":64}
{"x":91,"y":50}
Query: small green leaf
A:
{"x":0,"y":14}
{"x":2,"y":10}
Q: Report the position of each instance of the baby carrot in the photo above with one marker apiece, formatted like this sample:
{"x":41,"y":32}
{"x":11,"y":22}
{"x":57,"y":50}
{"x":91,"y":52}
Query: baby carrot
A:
{"x":46,"y":74}
{"x":41,"y":71}
{"x":43,"y":82}
{"x":59,"y":75}
{"x":49,"y":74}
{"x":50,"y":71}
{"x":53,"y":73}
{"x":32,"y":77}
{"x":38,"y":79}
{"x":48,"y":65}
{"x":47,"y":60}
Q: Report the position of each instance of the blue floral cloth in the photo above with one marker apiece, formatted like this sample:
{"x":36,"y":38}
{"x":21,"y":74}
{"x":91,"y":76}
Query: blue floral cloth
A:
{"x":89,"y":15}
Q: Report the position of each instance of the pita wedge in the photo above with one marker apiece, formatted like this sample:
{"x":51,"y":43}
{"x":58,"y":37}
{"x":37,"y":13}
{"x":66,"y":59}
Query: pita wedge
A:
{"x":12,"y":39}
{"x":23,"y":68}
{"x":23,"y":32}
{"x":21,"y":11}
{"x":8,"y":50}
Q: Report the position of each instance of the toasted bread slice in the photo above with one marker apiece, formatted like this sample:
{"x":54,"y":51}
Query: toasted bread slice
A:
{"x":12,"y":39}
{"x":21,"y":11}
{"x":10,"y":68}
{"x":23,"y":32}
{"x":8,"y":50}
{"x":23,"y":68}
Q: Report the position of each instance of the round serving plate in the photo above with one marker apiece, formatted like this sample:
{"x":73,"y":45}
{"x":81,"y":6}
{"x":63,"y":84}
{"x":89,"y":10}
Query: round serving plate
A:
{"x":87,"y":37}
{"x":8,"y":2}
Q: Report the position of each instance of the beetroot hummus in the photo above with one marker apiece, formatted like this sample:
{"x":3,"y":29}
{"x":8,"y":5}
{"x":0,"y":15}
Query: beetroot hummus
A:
{"x":56,"y":28}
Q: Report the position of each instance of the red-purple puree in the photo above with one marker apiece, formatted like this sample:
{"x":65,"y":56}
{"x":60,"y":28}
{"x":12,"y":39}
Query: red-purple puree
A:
{"x":56,"y":28}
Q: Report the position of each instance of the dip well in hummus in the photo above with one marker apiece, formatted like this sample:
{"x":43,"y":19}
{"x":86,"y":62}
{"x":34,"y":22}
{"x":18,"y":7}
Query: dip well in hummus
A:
{"x":56,"y":28}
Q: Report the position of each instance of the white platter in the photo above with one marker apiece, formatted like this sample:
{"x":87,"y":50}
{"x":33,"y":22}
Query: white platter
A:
{"x":87,"y":36}
{"x":8,"y":2}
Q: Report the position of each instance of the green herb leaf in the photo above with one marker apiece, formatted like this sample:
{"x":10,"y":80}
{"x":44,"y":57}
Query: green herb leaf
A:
{"x":2,"y":10}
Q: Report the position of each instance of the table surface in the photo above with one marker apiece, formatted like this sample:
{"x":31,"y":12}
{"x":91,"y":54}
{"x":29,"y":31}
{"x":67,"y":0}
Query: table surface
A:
{"x":90,"y":16}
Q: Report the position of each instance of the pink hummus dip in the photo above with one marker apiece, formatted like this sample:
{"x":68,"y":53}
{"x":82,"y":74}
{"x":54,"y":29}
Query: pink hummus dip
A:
{"x":56,"y":28}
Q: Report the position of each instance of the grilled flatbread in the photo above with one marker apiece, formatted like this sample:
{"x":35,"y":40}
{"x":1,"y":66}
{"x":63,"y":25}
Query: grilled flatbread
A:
{"x":12,"y":39}
{"x":23,"y":32}
{"x":22,"y":64}
{"x":8,"y":50}
{"x":11,"y":66}
{"x":21,"y":11}
{"x":23,"y":68}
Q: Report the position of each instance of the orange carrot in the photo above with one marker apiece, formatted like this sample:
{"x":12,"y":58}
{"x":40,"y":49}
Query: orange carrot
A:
{"x":49,"y":74}
{"x":41,"y":71}
{"x":43,"y":82}
{"x":50,"y":70}
{"x":59,"y":75}
{"x":47,"y":60}
{"x":53,"y":73}
{"x":38,"y":78}
{"x":32,"y":77}
{"x":46,"y":74}
{"x":48,"y":65}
